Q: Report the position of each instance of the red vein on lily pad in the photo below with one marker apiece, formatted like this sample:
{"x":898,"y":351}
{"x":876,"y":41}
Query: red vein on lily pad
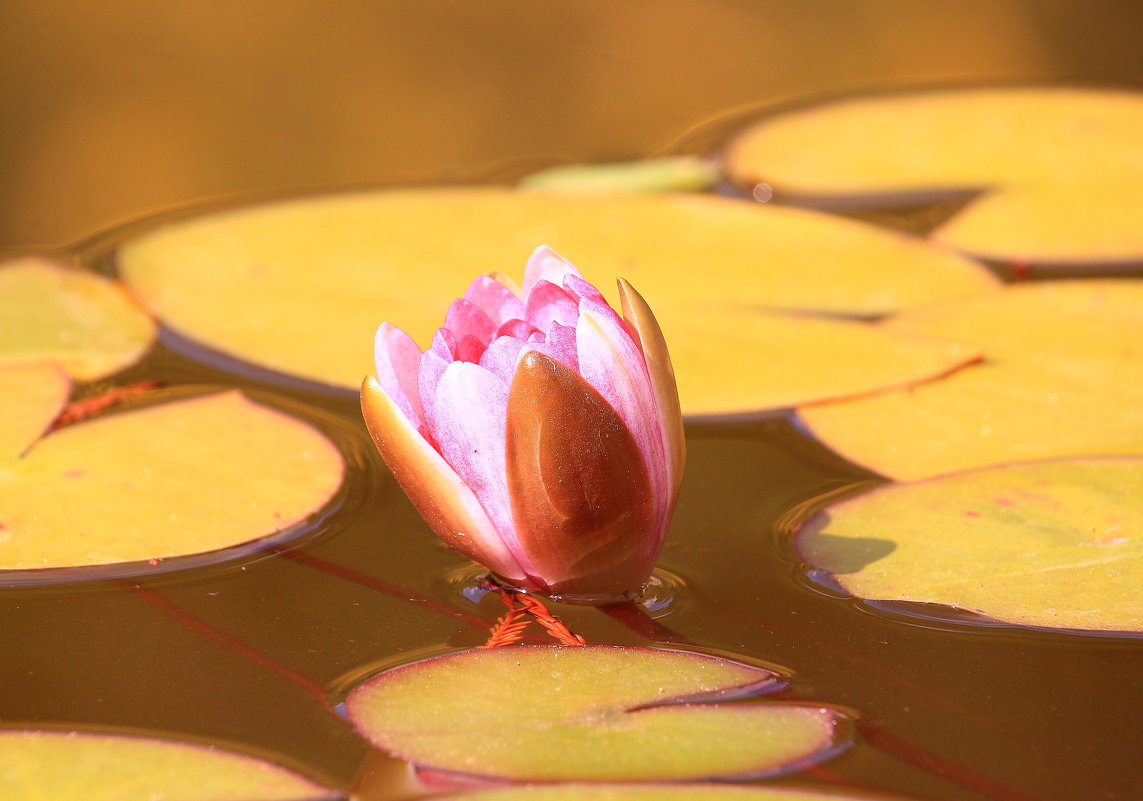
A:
{"x":84,"y":408}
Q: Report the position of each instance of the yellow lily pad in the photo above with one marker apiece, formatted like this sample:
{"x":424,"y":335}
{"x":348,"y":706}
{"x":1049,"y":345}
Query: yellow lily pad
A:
{"x":1054,"y":544}
{"x":31,"y":397}
{"x":168,"y":480}
{"x":298,"y":287}
{"x":587,"y":713}
{"x":727,"y":363}
{"x":48,"y":765}
{"x":1054,"y":222}
{"x":83,"y":322}
{"x":1063,"y":376}
{"x":953,"y":139}
{"x":657,"y":792}
{"x":1064,"y":163}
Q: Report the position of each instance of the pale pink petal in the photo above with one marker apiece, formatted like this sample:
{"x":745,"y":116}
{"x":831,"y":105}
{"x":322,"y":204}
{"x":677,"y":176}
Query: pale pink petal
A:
{"x":494,"y":299}
{"x":548,"y":303}
{"x":444,"y":345}
{"x":611,"y":361}
{"x":599,"y":306}
{"x":517,"y":329}
{"x":468,"y":421}
{"x":575,"y":284}
{"x":546,"y":265}
{"x":559,"y":344}
{"x":465,"y":319}
{"x":429,"y":374}
{"x":447,"y":504}
{"x":501,"y":356}
{"x":397,"y":360}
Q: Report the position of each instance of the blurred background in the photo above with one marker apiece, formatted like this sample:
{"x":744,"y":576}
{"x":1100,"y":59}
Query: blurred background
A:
{"x":116,"y":110}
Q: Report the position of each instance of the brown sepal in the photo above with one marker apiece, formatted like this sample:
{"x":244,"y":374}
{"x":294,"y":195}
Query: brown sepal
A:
{"x":581,"y":497}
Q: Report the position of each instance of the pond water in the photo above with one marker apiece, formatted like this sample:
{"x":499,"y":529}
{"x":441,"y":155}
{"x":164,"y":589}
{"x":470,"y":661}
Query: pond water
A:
{"x":137,"y":111}
{"x":257,"y":651}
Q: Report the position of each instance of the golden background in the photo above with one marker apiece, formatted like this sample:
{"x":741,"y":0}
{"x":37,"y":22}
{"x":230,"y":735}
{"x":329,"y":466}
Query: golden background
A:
{"x":111,"y":111}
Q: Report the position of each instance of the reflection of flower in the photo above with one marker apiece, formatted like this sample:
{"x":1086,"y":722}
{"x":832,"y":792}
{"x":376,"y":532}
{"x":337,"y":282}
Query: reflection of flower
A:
{"x":540,"y":434}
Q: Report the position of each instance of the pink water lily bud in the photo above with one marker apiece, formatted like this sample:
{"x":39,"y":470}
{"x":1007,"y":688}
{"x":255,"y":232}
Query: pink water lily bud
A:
{"x":540,"y":433}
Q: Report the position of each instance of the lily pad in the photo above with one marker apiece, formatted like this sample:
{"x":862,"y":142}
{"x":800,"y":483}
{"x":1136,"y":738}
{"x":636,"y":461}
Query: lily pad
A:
{"x":1064,"y":162}
{"x":30,"y":398}
{"x":589,"y":713}
{"x":734,"y":363}
{"x":83,"y":322}
{"x":668,"y":174}
{"x":1054,"y":222}
{"x":1054,"y":544}
{"x":953,"y":139}
{"x":297,"y":287}
{"x":1062,"y":377}
{"x":45,"y":765}
{"x":656,"y":792}
{"x":167,"y":480}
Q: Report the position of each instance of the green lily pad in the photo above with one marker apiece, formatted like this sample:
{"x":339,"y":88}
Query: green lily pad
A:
{"x":300,"y":287}
{"x":657,"y":792}
{"x":1064,"y":163}
{"x":1062,"y":376}
{"x":1054,"y":544}
{"x":46,"y":765}
{"x":83,"y":322}
{"x":167,"y":480}
{"x":668,"y":174}
{"x":592,"y":713}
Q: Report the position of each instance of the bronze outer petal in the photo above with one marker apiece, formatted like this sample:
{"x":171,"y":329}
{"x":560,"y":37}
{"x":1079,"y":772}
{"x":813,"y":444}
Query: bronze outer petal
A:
{"x":581,"y":497}
{"x":638,"y":315}
{"x":449,"y":507}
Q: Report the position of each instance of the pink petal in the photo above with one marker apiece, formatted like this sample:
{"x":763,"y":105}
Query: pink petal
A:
{"x":494,"y":299}
{"x":517,"y":329}
{"x":574,"y":283}
{"x":611,"y":361}
{"x":429,"y":374}
{"x":548,"y":303}
{"x":546,"y":265}
{"x":465,"y":319}
{"x":559,"y":344}
{"x":468,"y":421}
{"x":397,"y":358}
{"x":501,"y":356}
{"x":469,"y":348}
{"x":447,"y":504}
{"x":444,"y":345}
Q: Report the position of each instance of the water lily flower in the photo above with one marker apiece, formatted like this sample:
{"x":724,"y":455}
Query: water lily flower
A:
{"x":540,"y":434}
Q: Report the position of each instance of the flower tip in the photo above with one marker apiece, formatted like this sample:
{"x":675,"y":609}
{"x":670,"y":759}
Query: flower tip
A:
{"x":372,"y":397}
{"x":546,"y":265}
{"x":533,"y":359}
